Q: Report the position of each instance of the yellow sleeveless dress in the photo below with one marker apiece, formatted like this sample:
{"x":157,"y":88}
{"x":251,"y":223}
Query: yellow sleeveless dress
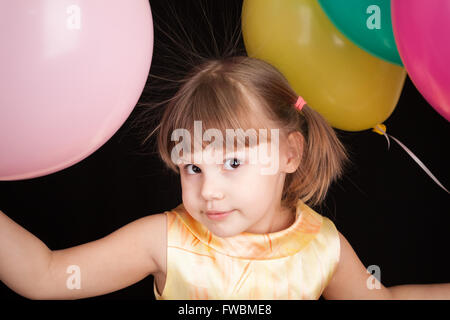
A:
{"x":294,"y":263}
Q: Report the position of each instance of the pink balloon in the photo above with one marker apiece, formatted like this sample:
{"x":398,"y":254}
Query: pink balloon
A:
{"x":71,"y":72}
{"x":422,"y":33}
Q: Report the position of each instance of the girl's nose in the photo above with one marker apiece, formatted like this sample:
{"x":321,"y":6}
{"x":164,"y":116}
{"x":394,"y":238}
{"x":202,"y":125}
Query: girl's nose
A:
{"x":211,"y":189}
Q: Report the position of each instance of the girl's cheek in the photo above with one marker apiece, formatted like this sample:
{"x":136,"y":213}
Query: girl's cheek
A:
{"x":190,"y":185}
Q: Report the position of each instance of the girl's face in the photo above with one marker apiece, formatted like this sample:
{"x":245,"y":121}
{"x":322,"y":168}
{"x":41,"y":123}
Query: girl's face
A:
{"x":249,"y":191}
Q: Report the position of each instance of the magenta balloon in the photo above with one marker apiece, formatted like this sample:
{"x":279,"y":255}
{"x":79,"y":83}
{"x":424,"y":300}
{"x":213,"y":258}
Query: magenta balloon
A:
{"x":71,"y":72}
{"x":422,"y":33}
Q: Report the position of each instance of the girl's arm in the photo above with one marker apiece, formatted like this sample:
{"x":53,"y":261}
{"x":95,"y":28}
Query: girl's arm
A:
{"x":350,"y":281}
{"x":439,"y":291}
{"x":114,"y":262}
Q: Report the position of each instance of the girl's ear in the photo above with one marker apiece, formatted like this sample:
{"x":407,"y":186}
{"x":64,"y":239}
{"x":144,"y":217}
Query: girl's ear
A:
{"x":293,"y":151}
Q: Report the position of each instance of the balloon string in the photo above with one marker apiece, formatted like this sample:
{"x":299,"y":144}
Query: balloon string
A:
{"x":378,"y":129}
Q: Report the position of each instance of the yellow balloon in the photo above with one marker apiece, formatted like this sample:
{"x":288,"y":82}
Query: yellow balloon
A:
{"x":352,"y":89}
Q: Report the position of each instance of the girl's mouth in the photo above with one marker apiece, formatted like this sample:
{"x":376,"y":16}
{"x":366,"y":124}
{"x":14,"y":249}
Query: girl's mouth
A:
{"x":218,"y":215}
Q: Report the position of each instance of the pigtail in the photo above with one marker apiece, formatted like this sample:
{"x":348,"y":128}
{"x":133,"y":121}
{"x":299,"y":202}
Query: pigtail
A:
{"x":323,"y":161}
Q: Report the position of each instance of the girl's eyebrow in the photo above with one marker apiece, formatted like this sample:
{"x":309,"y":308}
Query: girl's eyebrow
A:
{"x":235,"y":154}
{"x":226,"y":155}
{"x":182,"y":161}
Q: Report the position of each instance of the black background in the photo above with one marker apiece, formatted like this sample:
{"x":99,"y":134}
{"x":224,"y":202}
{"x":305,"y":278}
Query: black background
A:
{"x":391,"y":212}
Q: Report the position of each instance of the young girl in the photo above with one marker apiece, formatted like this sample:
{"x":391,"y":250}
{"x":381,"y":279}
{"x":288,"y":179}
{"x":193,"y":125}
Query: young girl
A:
{"x":245,"y":229}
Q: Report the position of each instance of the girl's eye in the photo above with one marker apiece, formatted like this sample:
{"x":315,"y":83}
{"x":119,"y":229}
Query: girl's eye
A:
{"x":195,"y":169}
{"x":234,"y":163}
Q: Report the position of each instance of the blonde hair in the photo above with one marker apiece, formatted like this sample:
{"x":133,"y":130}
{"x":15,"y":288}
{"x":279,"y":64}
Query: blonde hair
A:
{"x":217,"y":91}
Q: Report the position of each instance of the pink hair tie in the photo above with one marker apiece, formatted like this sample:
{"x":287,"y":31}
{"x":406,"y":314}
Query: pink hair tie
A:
{"x":300,"y":103}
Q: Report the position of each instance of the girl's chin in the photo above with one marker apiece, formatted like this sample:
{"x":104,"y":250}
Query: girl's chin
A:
{"x":222,"y":232}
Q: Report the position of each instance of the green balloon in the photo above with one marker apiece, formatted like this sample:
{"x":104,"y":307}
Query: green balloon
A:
{"x":367,"y":23}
